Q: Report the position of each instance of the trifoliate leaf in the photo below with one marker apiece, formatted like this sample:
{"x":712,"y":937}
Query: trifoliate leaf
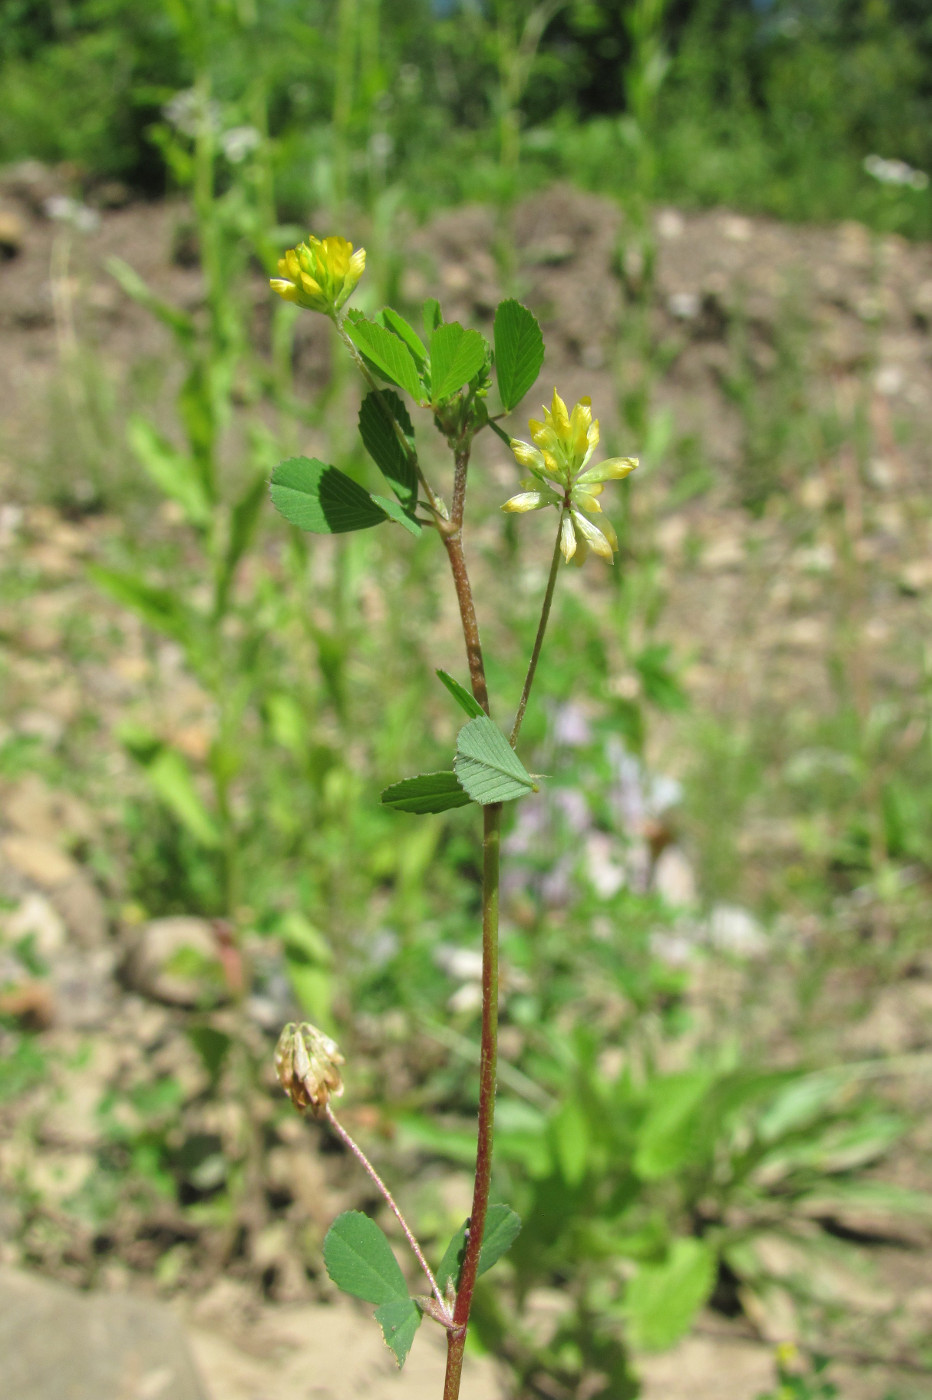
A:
{"x":386,"y":352}
{"x":321,"y":499}
{"x":428,"y":792}
{"x":519,"y":351}
{"x":487,"y":765}
{"x":502,"y":1227}
{"x":463,"y":697}
{"x":395,"y":512}
{"x":359,"y":1260}
{"x":409,"y":335}
{"x":399,"y":1320}
{"x":381,"y":442}
{"x":456,"y":356}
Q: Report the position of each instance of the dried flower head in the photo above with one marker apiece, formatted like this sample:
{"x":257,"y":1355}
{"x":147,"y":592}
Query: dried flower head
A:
{"x":306,"y":1062}
{"x":558,"y":457}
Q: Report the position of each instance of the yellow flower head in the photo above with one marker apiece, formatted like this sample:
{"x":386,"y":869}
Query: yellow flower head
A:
{"x":558,"y":456}
{"x":319,"y":274}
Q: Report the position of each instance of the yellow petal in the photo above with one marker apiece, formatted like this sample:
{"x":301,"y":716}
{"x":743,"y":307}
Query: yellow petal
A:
{"x":567,"y":538}
{"x":288,"y":290}
{"x":526,"y":500}
{"x":593,"y":536}
{"x":612,"y":469}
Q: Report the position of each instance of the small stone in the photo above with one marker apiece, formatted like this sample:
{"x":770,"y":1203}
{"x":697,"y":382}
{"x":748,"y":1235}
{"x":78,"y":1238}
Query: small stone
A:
{"x":31,"y":807}
{"x":684,"y":306}
{"x":12,"y":234}
{"x":176,"y":960}
{"x":736,"y":228}
{"x":39,"y":861}
{"x":670,"y":224}
{"x":82,"y":908}
{"x":674,"y":878}
{"x":916,"y":576}
{"x":36,"y":917}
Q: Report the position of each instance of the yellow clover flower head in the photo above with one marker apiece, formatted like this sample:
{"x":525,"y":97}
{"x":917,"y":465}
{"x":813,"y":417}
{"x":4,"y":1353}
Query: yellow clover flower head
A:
{"x":320,"y":274}
{"x":558,"y":456}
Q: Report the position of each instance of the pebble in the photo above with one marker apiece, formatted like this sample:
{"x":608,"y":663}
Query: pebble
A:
{"x":156,"y":963}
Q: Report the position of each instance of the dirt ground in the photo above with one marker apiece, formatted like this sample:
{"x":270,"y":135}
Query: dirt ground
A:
{"x":751,"y":603}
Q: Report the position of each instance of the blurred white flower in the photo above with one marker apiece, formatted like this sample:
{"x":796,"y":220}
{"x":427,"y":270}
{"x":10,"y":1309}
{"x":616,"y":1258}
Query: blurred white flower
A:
{"x":239,"y":142}
{"x":895,"y":172}
{"x":189,"y":111}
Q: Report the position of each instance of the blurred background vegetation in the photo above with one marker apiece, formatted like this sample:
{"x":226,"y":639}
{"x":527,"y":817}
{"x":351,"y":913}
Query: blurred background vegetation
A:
{"x":768,"y":105}
{"x":716,"y":1007}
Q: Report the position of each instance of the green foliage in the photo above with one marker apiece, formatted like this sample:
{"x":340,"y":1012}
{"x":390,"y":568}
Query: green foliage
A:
{"x":662,"y":1299}
{"x":703,"y":102}
{"x":322,"y":499}
{"x":378,"y":416}
{"x":519,"y":352}
{"x":487,"y":766}
{"x":385,"y":352}
{"x":462,"y":697}
{"x":502,"y":1227}
{"x":359,"y":1260}
{"x":428,"y":792}
{"x":456,"y":357}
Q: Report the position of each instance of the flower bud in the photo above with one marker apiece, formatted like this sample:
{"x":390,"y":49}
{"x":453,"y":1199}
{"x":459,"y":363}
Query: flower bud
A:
{"x":306,"y":1062}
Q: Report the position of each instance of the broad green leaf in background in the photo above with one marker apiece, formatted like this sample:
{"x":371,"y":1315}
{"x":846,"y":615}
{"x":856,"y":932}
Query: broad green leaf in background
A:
{"x":321,"y":499}
{"x":387,"y":352}
{"x":428,"y":792}
{"x":662,"y":1299}
{"x":173,"y":472}
{"x":519,"y":351}
{"x":399,"y":1320}
{"x":159,"y":607}
{"x":381,"y":442}
{"x":359,"y":1260}
{"x":571,"y":1140}
{"x":173,"y":782}
{"x":668,"y":1137}
{"x":456,"y":356}
{"x":502,"y":1227}
{"x":487,"y":765}
{"x":409,"y":335}
{"x":464,"y":698}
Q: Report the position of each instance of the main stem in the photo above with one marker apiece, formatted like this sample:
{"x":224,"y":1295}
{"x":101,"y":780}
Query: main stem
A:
{"x":456,"y":1337}
{"x":452,"y":534}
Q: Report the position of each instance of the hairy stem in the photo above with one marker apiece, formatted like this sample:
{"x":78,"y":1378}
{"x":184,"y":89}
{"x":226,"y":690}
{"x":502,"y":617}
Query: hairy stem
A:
{"x":367,"y":1166}
{"x":456,"y":1337}
{"x":541,"y":629}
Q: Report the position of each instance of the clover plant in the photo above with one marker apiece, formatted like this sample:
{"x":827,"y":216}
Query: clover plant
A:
{"x":446,"y":370}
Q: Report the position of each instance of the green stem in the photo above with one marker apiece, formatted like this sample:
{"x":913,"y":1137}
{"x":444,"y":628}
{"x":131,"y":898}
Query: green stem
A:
{"x":456,"y":1337}
{"x":541,"y":629}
